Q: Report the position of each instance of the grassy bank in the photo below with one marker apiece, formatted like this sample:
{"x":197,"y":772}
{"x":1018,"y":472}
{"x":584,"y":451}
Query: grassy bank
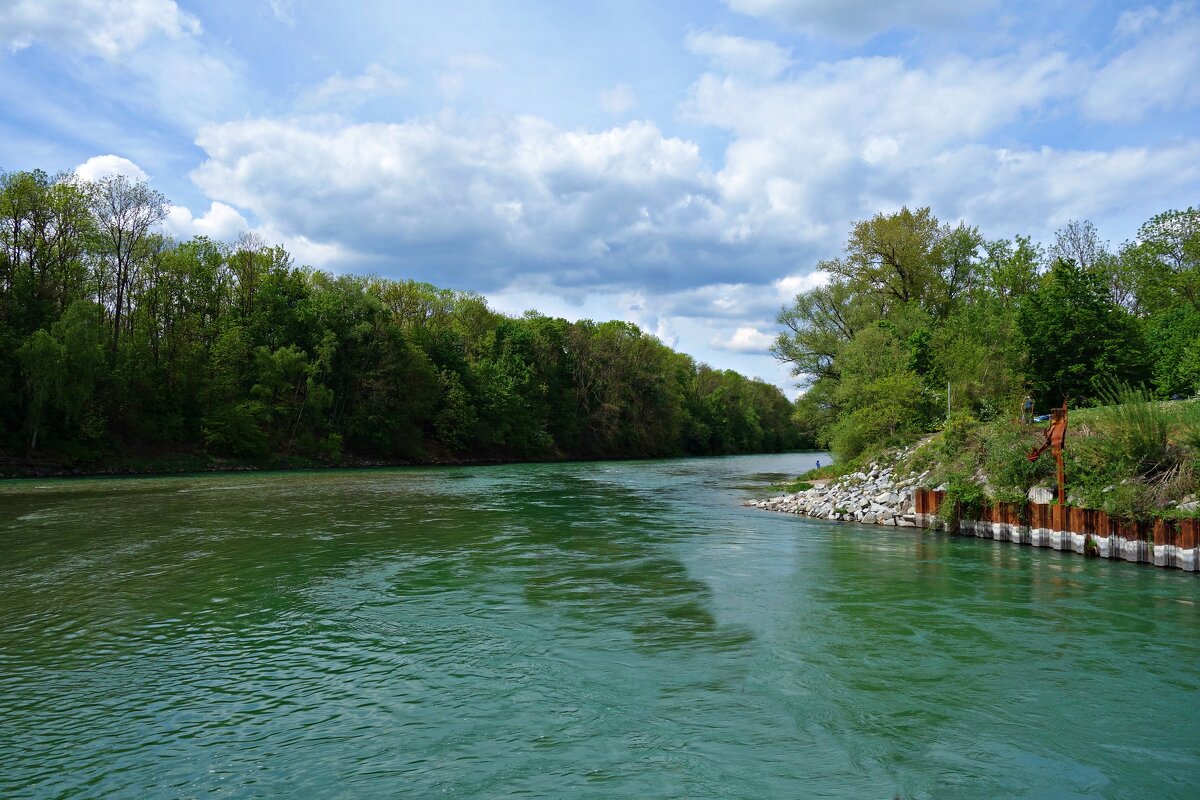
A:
{"x":1133,"y":456}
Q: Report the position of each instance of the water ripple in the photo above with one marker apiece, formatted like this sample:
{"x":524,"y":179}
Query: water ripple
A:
{"x":594,"y":630}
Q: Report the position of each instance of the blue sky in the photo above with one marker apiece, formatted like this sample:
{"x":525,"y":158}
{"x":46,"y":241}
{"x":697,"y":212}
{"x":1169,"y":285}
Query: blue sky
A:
{"x":682,"y":165}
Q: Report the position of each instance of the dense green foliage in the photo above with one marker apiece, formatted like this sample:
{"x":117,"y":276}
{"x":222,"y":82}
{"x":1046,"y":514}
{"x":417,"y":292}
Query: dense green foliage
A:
{"x":116,"y":340}
{"x":1133,"y":456}
{"x":915,"y":308}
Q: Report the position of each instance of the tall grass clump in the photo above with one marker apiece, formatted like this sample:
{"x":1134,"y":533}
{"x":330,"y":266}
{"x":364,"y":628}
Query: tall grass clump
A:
{"x":1125,"y":454}
{"x":1189,"y":427}
{"x":1132,"y":430}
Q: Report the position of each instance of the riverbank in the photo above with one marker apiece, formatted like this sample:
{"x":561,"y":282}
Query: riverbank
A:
{"x":889,"y":492}
{"x":1163,"y":542}
{"x":881,"y":494}
{"x":179,"y":464}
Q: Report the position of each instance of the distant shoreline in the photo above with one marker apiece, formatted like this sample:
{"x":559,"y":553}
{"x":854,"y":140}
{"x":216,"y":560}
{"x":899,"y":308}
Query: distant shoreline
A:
{"x":181,"y":465}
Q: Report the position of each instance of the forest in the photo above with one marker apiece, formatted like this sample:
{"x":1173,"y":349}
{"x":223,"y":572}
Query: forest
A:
{"x":926,"y":326}
{"x":120,"y":345}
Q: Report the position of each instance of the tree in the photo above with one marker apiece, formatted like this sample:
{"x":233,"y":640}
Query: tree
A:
{"x":1173,"y":335}
{"x":888,"y":256}
{"x":125,"y":212}
{"x":1010,"y":267}
{"x":1169,"y":246}
{"x":393,"y":396}
{"x":955,"y":257}
{"x":43,"y":362}
{"x":1079,"y":242}
{"x":45,"y":225}
{"x":819,"y":322}
{"x":980,"y":352}
{"x":879,"y":397}
{"x":61,"y":368}
{"x":1077,"y":339}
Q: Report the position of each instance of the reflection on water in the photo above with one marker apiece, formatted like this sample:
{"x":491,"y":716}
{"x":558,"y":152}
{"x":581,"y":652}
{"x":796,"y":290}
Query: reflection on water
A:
{"x":603,"y":629}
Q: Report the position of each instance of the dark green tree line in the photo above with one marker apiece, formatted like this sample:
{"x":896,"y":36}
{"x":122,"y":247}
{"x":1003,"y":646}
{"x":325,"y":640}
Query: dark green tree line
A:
{"x":115,"y":339}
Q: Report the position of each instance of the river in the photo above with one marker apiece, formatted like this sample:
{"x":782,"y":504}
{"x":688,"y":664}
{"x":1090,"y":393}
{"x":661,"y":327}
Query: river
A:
{"x":585,"y":630}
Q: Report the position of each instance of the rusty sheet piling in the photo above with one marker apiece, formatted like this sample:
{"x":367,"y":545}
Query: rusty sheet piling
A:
{"x":1173,"y":543}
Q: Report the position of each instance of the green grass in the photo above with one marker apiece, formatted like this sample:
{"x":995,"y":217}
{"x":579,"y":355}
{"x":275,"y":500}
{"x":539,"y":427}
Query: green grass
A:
{"x":1133,"y":456}
{"x":793,"y":486}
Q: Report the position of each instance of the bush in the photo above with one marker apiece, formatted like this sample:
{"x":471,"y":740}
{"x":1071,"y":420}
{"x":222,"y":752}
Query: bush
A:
{"x":958,"y":432}
{"x":1131,"y":430}
{"x":1133,"y":455}
{"x":966,"y":494}
{"x":1011,"y":474}
{"x":237,"y":430}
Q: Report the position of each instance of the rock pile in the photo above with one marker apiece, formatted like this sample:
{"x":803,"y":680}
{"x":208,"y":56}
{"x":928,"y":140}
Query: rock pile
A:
{"x":877,"y":496}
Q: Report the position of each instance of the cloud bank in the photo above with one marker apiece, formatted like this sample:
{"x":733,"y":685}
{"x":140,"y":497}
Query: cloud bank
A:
{"x":106,"y":28}
{"x":693,"y":199}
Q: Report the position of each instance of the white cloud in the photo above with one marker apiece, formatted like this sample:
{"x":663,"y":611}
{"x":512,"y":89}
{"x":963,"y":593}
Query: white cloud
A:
{"x":152,"y":55}
{"x":184,"y":82}
{"x":221,"y":223}
{"x":665,"y":332}
{"x":505,"y":190}
{"x":284,"y":11}
{"x":1036,"y":191}
{"x":744,"y":340}
{"x":1131,"y":22}
{"x":481,"y":200}
{"x":107,"y":28}
{"x":451,"y":82}
{"x":861,"y":18}
{"x":618,"y":99}
{"x":98,"y":167}
{"x":791,"y":285}
{"x":374,"y":81}
{"x":736,"y":55}
{"x":843,"y":140}
{"x":952,"y":99}
{"x":719,"y":304}
{"x":305,"y":251}
{"x":1161,"y":70}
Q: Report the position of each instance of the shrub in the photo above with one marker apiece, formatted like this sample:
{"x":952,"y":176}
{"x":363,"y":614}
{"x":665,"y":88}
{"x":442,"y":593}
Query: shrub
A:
{"x":968,"y":494}
{"x":959,"y":431}
{"x":1005,"y":447}
{"x":1133,"y":455}
{"x":1131,"y":430}
{"x":237,"y":430}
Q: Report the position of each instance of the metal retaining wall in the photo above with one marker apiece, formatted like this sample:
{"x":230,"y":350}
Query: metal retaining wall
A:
{"x":1164,"y":542}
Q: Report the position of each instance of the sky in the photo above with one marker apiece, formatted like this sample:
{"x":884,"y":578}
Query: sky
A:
{"x":681,"y":165}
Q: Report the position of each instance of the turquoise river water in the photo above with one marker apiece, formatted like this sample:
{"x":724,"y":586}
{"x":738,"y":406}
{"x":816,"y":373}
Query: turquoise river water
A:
{"x":591,"y":630}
